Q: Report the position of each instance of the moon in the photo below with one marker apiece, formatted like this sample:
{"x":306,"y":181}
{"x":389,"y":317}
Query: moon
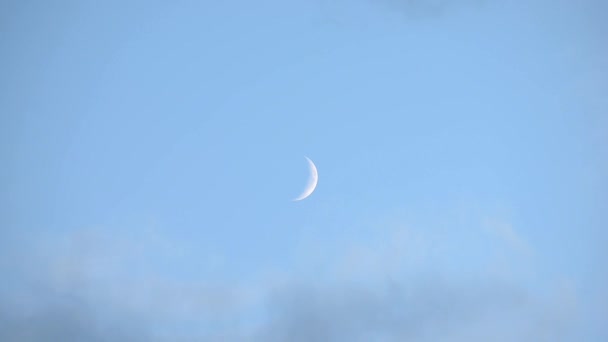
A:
{"x":312,"y":181}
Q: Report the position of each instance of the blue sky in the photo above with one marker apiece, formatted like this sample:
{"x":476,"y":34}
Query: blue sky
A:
{"x":150,"y":151}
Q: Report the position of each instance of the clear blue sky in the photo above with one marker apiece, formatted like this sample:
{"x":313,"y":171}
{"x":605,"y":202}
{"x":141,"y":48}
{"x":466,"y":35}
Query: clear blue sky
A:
{"x":150,"y":149}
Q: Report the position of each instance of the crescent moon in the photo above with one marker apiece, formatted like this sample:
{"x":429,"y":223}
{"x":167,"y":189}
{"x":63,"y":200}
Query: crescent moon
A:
{"x":312,"y":181}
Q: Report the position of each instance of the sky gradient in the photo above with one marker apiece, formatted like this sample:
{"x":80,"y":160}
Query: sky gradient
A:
{"x":150,"y":151}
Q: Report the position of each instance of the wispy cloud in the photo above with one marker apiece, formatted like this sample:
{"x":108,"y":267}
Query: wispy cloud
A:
{"x":103,"y":285}
{"x":507,"y":233}
{"x":429,"y":309}
{"x":401,"y":285}
{"x":428,"y":8}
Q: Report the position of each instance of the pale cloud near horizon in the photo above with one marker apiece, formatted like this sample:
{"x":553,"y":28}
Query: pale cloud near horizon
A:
{"x":397,"y":284}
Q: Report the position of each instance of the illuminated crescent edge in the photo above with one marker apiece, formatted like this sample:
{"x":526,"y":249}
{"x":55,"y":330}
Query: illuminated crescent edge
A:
{"x":312,"y":181}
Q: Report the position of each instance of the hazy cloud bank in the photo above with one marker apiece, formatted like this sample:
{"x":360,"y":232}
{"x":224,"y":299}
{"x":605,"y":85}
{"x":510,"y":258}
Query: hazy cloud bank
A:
{"x":107,"y":286}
